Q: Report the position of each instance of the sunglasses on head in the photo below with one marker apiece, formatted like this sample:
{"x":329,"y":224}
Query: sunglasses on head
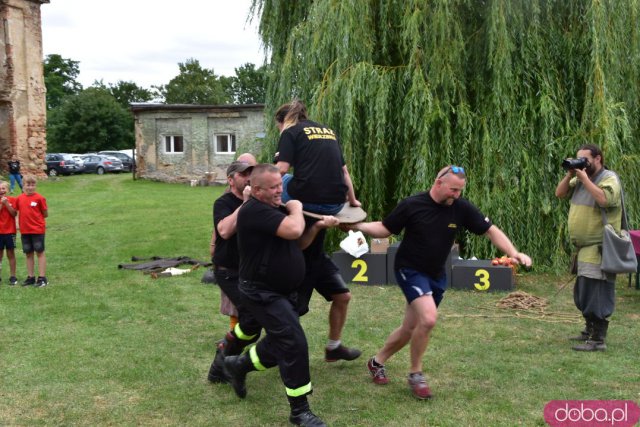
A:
{"x":455,"y":169}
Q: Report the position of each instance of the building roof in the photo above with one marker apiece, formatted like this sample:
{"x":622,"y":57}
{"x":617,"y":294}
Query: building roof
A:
{"x":140,"y":107}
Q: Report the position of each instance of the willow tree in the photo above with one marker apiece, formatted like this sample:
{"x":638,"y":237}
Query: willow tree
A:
{"x":507,"y":88}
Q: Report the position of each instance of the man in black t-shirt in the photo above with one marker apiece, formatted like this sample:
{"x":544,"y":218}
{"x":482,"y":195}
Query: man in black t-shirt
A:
{"x":226,"y":264}
{"x":430,"y":221}
{"x":271,"y":271}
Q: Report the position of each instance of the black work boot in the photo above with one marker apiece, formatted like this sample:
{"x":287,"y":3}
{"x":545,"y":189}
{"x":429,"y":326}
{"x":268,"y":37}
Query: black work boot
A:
{"x":217,"y":374}
{"x":597,"y":338}
{"x":301,"y":414}
{"x":238,"y":367}
{"x":584,"y":335}
{"x":231,"y":346}
{"x":236,"y":345}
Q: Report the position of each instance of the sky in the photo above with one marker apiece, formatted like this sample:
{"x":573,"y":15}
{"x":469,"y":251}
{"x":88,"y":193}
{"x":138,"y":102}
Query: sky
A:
{"x":144,"y":40}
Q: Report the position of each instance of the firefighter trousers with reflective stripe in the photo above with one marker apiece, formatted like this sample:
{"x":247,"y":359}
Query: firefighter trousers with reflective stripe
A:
{"x":228,"y":282}
{"x":285,"y":343}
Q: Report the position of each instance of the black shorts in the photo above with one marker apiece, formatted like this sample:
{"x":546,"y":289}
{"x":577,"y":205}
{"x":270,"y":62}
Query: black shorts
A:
{"x":32,"y":243}
{"x":7,"y":241}
{"x":323,"y":276}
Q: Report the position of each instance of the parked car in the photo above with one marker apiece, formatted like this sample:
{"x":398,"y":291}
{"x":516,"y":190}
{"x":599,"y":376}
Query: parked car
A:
{"x":78,"y":159}
{"x":61,"y":164}
{"x":100,"y":164}
{"x":127,"y":162}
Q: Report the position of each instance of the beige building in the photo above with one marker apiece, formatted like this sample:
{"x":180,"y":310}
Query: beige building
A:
{"x":22,"y":90}
{"x":180,"y":143}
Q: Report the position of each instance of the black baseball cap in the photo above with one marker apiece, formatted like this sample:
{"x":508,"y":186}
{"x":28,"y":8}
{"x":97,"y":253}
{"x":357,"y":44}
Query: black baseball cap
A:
{"x":238,"y":167}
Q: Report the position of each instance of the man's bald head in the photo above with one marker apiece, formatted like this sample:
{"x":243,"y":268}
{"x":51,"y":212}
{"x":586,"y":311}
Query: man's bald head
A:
{"x":247,"y":158}
{"x":448,"y":185}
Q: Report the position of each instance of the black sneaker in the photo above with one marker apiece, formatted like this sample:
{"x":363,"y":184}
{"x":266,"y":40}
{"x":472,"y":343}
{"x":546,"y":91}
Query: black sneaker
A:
{"x":30,"y":280}
{"x":41,"y":282}
{"x":13,"y":280}
{"x":306,"y":418}
{"x":341,"y":353}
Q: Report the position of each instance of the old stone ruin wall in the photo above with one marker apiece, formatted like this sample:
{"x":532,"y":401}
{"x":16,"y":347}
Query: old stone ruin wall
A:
{"x":22,"y":89}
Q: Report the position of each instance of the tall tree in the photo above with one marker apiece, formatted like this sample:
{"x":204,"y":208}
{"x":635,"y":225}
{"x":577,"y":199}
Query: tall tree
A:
{"x":227,"y":84}
{"x":249,"y":84}
{"x":60,"y":76}
{"x":506,"y":88}
{"x":195,"y":85}
{"x":127,"y":93}
{"x":93,"y":120}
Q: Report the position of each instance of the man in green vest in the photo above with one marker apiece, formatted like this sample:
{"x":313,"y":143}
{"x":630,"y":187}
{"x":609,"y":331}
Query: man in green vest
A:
{"x":592,"y":188}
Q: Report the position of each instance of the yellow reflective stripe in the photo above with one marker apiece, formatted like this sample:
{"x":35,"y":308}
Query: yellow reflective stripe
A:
{"x":241,"y":335}
{"x":300,"y":391}
{"x":253,"y":354}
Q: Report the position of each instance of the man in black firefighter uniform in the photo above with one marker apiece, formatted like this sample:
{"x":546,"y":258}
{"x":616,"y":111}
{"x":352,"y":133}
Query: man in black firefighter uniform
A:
{"x":272,"y":268}
{"x":226,"y":261}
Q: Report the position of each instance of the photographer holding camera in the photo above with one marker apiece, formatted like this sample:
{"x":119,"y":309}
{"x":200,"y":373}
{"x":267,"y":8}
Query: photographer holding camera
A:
{"x":591,"y":187}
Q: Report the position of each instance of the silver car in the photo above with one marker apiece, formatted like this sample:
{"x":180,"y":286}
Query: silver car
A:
{"x":100,"y":164}
{"x":127,"y":162}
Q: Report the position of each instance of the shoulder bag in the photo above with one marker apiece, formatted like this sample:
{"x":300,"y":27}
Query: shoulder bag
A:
{"x":618,"y":255}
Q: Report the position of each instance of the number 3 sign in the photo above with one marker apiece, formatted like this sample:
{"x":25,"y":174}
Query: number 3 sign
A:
{"x":481,"y":276}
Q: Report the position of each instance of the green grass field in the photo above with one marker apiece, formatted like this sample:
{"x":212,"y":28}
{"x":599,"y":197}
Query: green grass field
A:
{"x":104,"y":346}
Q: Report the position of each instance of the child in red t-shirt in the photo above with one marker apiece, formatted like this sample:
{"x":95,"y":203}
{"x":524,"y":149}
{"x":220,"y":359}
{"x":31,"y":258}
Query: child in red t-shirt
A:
{"x":8,"y":230}
{"x":32,"y":208}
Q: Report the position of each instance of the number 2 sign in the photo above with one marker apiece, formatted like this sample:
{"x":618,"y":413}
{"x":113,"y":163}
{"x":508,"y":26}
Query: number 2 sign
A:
{"x":361,"y":266}
{"x":369,"y":269}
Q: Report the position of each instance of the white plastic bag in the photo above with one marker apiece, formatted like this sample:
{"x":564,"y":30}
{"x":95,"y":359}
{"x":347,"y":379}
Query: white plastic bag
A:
{"x":172,"y":271}
{"x":355,"y":244}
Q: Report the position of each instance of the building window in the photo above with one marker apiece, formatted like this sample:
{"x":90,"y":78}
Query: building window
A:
{"x":226,"y":143}
{"x":173,"y":144}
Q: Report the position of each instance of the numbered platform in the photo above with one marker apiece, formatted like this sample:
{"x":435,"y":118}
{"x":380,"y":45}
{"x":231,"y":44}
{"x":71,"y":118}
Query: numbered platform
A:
{"x":369,"y":269}
{"x":377,"y":269}
{"x":480,"y":276}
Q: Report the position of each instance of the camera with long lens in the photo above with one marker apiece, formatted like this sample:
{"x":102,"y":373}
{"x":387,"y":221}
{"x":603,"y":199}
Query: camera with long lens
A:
{"x":571,"y":164}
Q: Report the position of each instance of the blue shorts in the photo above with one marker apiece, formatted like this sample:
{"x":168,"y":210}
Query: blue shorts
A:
{"x":7,"y":241}
{"x":322,"y":209}
{"x":414,"y":284}
{"x":32,"y":243}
